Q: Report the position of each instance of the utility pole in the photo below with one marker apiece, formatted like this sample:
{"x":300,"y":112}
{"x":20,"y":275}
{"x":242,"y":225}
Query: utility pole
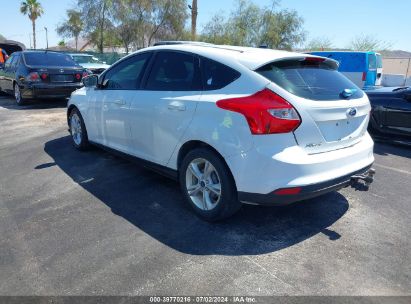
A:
{"x":47,"y":39}
{"x":194,"y":13}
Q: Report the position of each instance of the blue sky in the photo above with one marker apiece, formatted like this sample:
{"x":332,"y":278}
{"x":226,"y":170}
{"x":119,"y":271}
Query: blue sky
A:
{"x":338,"y":20}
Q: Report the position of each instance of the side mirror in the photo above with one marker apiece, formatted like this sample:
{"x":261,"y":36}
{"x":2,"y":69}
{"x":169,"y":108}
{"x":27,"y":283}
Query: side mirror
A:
{"x":90,"y":81}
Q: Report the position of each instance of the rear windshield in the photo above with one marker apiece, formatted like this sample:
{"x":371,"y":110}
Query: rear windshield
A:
{"x":313,"y":80}
{"x":49,"y":59}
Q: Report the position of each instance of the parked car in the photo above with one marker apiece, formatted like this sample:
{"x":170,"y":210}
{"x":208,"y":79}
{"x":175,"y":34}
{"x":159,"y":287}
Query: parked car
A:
{"x":363,"y":68}
{"x":90,"y":63}
{"x":391,"y":114}
{"x":234,"y":125}
{"x":40,"y":74}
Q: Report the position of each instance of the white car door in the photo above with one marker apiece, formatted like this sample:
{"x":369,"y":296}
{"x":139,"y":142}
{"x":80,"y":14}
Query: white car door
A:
{"x":120,"y":87}
{"x":163,"y":110}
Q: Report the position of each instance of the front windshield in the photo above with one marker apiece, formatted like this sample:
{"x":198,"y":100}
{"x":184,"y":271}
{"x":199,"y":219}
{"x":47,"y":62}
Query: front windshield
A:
{"x":86,"y":59}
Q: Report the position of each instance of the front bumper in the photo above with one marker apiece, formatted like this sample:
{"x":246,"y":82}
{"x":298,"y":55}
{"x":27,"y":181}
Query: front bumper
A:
{"x":30,"y":91}
{"x":310,"y":191}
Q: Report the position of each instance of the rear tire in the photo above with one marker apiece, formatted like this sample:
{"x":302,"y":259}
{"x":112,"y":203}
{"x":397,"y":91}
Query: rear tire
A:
{"x":208,"y":186}
{"x":17,"y":95}
{"x":78,"y":130}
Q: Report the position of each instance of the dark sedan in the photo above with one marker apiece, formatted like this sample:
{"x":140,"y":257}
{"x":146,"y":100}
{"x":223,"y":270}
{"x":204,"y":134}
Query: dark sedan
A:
{"x":391,"y":114}
{"x":40,"y":74}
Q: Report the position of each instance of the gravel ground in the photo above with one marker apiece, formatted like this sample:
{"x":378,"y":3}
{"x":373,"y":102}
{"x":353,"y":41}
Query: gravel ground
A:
{"x":89,"y":223}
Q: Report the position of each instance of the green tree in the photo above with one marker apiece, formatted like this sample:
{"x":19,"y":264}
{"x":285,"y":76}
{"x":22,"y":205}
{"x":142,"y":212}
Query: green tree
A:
{"x":166,"y":20}
{"x":252,"y":25}
{"x":368,"y":43}
{"x":72,"y":27}
{"x":129,"y":18}
{"x":96,"y":15}
{"x":34,"y":10}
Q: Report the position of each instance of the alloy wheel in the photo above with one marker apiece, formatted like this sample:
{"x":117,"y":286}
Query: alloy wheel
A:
{"x":203,"y":184}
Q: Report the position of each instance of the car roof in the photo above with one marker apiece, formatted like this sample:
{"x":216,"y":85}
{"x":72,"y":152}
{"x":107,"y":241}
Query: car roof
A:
{"x":40,"y":52}
{"x":250,"y":57}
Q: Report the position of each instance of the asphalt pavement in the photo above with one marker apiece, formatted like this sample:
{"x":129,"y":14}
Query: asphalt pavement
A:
{"x":90,"y":223}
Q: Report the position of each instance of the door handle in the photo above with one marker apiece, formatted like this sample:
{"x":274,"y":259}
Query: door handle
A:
{"x":177,"y":106}
{"x":119,"y":102}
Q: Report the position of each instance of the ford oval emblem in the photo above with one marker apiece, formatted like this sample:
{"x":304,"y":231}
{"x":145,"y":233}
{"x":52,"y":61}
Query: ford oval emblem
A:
{"x":352,"y":112}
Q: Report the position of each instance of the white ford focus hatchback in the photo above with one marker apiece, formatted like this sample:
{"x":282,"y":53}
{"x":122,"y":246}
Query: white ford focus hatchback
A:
{"x":233,"y":124}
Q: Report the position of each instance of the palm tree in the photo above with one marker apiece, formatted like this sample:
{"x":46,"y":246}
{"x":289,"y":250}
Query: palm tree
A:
{"x":73,"y":26}
{"x":33,"y":9}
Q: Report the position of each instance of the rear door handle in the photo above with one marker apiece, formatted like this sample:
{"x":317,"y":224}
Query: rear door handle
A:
{"x":176,"y":106}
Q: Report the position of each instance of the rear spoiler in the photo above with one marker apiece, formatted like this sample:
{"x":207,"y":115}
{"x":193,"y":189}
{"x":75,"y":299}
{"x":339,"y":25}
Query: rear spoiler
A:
{"x":334,"y":64}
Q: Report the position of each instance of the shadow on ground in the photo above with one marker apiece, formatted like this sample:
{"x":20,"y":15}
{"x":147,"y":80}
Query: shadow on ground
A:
{"x":153,"y":204}
{"x":8,"y":102}
{"x":381,"y":148}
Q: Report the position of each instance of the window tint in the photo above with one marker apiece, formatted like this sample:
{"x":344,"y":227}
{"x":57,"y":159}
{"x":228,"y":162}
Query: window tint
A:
{"x":49,"y":59}
{"x":315,"y":81}
{"x":9,"y":61}
{"x":216,"y":75}
{"x":372,"y":61}
{"x":127,"y":74}
{"x":16,"y":61}
{"x":379,"y":61}
{"x":173,"y":71}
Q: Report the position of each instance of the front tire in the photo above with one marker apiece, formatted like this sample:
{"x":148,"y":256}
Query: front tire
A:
{"x":78,"y":130}
{"x":208,"y":186}
{"x":17,"y":95}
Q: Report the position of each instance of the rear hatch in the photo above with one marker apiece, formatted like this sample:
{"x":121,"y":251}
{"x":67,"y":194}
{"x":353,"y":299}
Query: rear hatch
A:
{"x":334,"y":112}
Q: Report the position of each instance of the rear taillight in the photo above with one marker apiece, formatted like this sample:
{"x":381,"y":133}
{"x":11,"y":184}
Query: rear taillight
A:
{"x":313,"y":59}
{"x":85,"y":74}
{"x":265,"y":111}
{"x":78,"y":76}
{"x":33,"y":76}
{"x":43,"y":76}
{"x":364,"y":76}
{"x":288,"y":191}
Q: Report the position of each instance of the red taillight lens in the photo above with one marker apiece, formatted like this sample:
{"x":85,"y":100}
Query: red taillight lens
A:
{"x":314,"y":59}
{"x":78,"y":76}
{"x":364,"y":76}
{"x":33,"y":76}
{"x":85,"y":74}
{"x":44,"y":76}
{"x":265,"y":111}
{"x":288,"y":191}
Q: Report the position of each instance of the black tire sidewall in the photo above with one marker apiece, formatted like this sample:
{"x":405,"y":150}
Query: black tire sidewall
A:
{"x":228,"y":203}
{"x":14,"y":95}
{"x":84,"y":137}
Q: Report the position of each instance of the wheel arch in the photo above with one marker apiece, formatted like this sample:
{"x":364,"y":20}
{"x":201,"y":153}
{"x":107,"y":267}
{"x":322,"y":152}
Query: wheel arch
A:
{"x":195,"y":144}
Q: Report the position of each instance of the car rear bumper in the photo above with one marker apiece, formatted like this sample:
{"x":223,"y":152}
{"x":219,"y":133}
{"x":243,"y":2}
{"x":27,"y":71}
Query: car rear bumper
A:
{"x":261,"y":171}
{"x":31,"y":91}
{"x":275,"y":198}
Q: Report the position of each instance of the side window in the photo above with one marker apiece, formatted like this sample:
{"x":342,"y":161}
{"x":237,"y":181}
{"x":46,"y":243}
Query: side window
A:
{"x":174,"y":71}
{"x":15,"y":62}
{"x":216,"y":75}
{"x":9,"y":62}
{"x":127,"y":74}
{"x":372,"y":62}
